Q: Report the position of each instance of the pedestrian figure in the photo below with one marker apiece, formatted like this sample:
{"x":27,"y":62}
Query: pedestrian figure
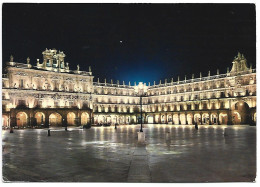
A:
{"x":196,"y":126}
{"x":115,"y":126}
{"x":11,"y":130}
{"x":49,"y":132}
{"x":66,"y":128}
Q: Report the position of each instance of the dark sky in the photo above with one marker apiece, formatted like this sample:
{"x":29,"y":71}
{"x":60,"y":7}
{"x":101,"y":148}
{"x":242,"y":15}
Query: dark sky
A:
{"x":158,"y":41}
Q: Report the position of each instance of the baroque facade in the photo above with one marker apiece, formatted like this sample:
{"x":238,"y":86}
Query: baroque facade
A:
{"x":52,"y":94}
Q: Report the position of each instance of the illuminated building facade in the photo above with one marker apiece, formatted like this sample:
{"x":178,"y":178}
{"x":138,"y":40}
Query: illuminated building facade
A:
{"x":51,"y":93}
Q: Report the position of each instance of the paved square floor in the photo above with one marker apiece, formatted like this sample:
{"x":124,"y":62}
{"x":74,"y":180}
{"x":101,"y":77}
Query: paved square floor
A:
{"x":171,"y":153}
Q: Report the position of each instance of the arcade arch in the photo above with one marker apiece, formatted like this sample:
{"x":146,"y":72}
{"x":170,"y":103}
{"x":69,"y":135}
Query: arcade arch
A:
{"x":55,"y":119}
{"x":21,"y":119}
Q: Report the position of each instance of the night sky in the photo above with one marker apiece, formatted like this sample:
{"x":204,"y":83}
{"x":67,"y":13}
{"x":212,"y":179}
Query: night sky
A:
{"x":133,"y":42}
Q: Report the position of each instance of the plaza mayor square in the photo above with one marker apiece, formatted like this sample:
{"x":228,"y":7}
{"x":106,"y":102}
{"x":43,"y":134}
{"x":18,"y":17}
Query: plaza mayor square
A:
{"x":129,"y":93}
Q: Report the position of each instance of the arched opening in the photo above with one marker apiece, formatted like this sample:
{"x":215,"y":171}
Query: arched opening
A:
{"x":21,"y":119}
{"x":176,"y":119}
{"x":55,"y":119}
{"x":5,"y":121}
{"x":71,"y":118}
{"x":109,"y":119}
{"x":169,"y":118}
{"x":182,"y":118}
{"x":128,"y":119}
{"x":236,"y":118}
{"x":197,"y":118}
{"x":240,"y":113}
{"x":157,"y":119}
{"x":189,"y":119}
{"x":84,"y":118}
{"x":163,"y":118}
{"x":150,"y":119}
{"x":214,"y":118}
{"x":133,"y":119}
{"x":205,"y":118}
{"x":223,"y":118}
{"x":40,"y":118}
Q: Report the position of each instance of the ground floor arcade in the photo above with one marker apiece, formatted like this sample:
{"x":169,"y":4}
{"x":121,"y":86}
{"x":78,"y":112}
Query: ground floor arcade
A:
{"x":46,"y":117}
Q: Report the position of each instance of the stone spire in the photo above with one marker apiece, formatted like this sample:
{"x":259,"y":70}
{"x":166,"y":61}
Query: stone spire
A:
{"x":28,"y":60}
{"x":11,"y":58}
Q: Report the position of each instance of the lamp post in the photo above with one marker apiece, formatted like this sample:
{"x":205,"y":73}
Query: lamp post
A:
{"x":141,"y":90}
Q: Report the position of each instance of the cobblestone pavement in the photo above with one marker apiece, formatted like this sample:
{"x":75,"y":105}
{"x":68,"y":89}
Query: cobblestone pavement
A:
{"x":171,"y":153}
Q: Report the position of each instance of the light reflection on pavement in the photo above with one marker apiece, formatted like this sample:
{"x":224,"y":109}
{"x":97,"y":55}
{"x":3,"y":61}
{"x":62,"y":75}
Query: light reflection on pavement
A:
{"x":176,"y":153}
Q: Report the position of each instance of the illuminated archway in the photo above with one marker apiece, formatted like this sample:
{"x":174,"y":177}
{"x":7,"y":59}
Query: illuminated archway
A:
{"x":169,"y":118}
{"x":205,"y":118}
{"x":223,"y":118}
{"x":183,"y":119}
{"x":197,"y":118}
{"x":109,"y":119}
{"x":71,"y":118}
{"x":84,"y":118}
{"x":21,"y":119}
{"x":214,"y":118}
{"x":157,"y":119}
{"x":236,"y":118}
{"x":163,"y":119}
{"x":5,"y":121}
{"x":176,"y":119}
{"x":55,"y":119}
{"x":150,"y":119}
{"x":189,"y":119}
{"x":40,"y":118}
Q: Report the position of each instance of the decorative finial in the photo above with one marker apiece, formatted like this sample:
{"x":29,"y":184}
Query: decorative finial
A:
{"x":251,"y":66}
{"x":111,"y":81}
{"x":149,"y":84}
{"x":67,"y":64}
{"x":185,"y":78}
{"x":38,"y":61}
{"x":129,"y":83}
{"x":200,"y":75}
{"x":172,"y":80}
{"x":123,"y":82}
{"x":160,"y":82}
{"x":89,"y":68}
{"x":165,"y":81}
{"x":98,"y":80}
{"x":227,"y":69}
{"x":135,"y":83}
{"x":28,"y":60}
{"x":217,"y":71}
{"x":78,"y":67}
{"x":192,"y":76}
{"x":239,"y":55}
{"x":178,"y":79}
{"x":105,"y":81}
{"x":117,"y":82}
{"x":153,"y":82}
{"x":11,"y":58}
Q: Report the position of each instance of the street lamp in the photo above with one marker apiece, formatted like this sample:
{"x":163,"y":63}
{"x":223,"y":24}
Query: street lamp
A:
{"x":141,"y":90}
